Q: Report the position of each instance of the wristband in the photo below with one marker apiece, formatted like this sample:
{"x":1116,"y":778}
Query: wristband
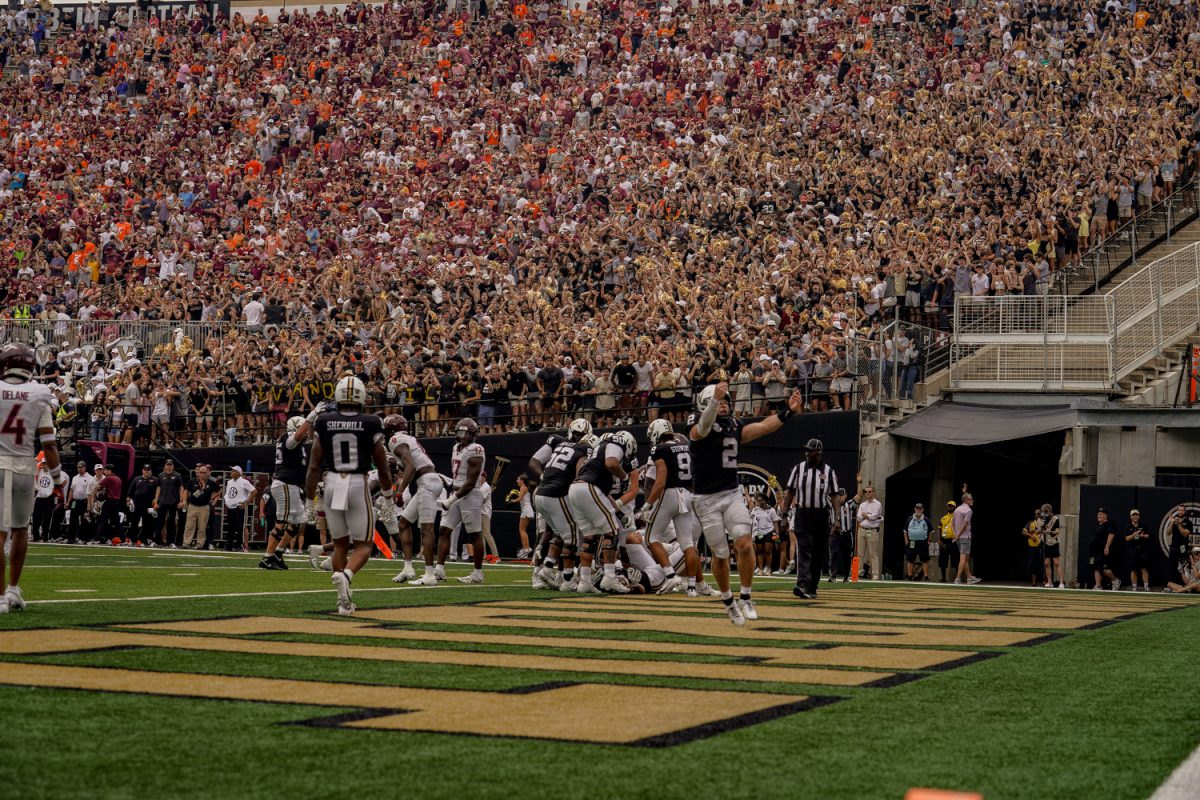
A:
{"x":784,"y":414}
{"x":56,"y":471}
{"x":388,"y":492}
{"x":48,"y":438}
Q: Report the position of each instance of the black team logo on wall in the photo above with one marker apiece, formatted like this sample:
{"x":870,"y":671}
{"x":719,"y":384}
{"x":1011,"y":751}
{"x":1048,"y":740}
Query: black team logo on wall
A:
{"x":1191,"y":512}
{"x":756,"y":481}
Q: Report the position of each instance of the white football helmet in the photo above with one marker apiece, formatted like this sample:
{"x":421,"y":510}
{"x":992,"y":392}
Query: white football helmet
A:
{"x":589,"y":440}
{"x":350,"y":392}
{"x":705,"y":397}
{"x":293,"y":424}
{"x":657,"y":430}
{"x":627,"y":442}
{"x":578,"y":429}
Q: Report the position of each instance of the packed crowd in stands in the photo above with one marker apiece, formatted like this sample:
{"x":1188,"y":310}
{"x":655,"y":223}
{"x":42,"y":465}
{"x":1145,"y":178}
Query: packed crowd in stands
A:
{"x":506,"y":207}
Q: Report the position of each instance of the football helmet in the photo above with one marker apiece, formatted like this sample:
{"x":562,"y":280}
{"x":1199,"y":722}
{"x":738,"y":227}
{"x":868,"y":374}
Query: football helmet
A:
{"x":658,"y":429}
{"x":466,"y":430}
{"x":589,"y":440}
{"x":17,"y":360}
{"x":578,"y":429}
{"x":626,"y":441}
{"x":350,"y":392}
{"x":705,"y":397}
{"x":395,"y":423}
{"x":293,"y":424}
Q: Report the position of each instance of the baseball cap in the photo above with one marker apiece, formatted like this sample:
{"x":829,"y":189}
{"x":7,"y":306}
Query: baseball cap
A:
{"x":951,"y":504}
{"x":238,"y":470}
{"x":1135,"y":513}
{"x":920,"y":506}
{"x":814,"y":444}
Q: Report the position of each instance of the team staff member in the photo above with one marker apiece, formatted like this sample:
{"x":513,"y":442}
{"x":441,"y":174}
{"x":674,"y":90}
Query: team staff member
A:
{"x":200,"y":494}
{"x":1181,"y":537}
{"x":1051,"y":527}
{"x":80,"y":489}
{"x":142,"y":521}
{"x":813,"y":488}
{"x":166,"y":502}
{"x":947,"y":548}
{"x":1137,"y":545}
{"x":869,"y":539}
{"x":239,"y":495}
{"x":916,"y":544}
{"x":44,"y":503}
{"x":108,"y":488}
{"x":1101,"y":551}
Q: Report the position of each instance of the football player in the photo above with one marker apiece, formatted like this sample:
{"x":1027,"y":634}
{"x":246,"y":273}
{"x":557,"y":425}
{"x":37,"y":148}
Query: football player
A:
{"x":561,"y":536}
{"x":717,"y":498}
{"x":348,"y":441}
{"x":464,"y":505}
{"x":608,"y":465}
{"x":26,"y":425}
{"x":670,"y":500}
{"x":291,"y":466}
{"x":421,"y":481}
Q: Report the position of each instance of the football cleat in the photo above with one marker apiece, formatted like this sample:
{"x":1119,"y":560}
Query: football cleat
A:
{"x":14,"y":599}
{"x":569,"y":586}
{"x":342,"y":584}
{"x":735,"y":614}
{"x":345,"y":609}
{"x":691,"y":592}
{"x":428,"y":579}
{"x":326,"y":565}
{"x":748,"y":610}
{"x":613,"y":584}
{"x":537,"y":581}
{"x":405,"y":575}
{"x":439,"y":572}
{"x":267,"y":563}
{"x":672,"y":584}
{"x":315,"y":552}
{"x":586,"y":587}
{"x":472,"y":578}
{"x":704,"y":590}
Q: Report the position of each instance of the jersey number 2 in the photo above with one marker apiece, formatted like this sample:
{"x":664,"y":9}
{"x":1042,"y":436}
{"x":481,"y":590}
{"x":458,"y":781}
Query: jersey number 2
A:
{"x":14,"y":426}
{"x":729,"y":454}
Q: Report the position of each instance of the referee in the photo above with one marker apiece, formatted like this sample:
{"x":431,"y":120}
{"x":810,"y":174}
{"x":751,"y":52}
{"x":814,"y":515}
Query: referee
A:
{"x":813,"y":489}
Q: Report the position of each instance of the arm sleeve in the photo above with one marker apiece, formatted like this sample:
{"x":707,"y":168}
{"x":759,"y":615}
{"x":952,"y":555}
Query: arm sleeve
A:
{"x":542,"y":456}
{"x":705,"y":424}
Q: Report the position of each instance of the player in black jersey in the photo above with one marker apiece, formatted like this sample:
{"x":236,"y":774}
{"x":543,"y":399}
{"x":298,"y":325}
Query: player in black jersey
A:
{"x":607,"y":467}
{"x":717,"y":497}
{"x":291,"y":466}
{"x":669,"y":504}
{"x":348,"y":441}
{"x":561,"y":535}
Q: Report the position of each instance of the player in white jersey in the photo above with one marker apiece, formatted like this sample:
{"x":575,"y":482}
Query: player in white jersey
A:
{"x":26,"y":426}
{"x":424,"y":487}
{"x":464,"y":505}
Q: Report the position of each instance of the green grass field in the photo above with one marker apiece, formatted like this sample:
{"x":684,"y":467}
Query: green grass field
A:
{"x":250,"y":687}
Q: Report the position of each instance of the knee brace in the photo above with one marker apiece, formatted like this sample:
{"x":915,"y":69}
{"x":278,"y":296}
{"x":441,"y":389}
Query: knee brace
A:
{"x":591,"y":544}
{"x":568,"y":551}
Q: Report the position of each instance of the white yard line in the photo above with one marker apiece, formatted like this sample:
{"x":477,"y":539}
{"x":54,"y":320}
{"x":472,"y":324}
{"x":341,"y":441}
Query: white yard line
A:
{"x":1183,"y":783}
{"x":255,"y":594}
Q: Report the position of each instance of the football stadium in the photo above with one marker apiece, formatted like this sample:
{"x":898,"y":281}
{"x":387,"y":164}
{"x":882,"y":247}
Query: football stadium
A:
{"x":607,"y":398}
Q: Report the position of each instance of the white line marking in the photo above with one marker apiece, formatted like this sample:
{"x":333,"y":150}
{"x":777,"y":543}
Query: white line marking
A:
{"x":329,"y":591}
{"x":1182,"y":783}
{"x":184,"y":574}
{"x":74,"y":591}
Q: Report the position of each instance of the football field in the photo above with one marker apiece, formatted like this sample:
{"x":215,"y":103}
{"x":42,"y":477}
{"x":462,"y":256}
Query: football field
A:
{"x":164,"y":674}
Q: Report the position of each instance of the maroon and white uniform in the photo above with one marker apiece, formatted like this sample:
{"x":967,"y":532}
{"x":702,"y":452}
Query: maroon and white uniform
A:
{"x":24,"y":407}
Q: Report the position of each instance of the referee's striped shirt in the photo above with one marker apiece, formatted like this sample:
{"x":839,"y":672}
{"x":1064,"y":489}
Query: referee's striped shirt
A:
{"x":813,"y":486}
{"x":846,"y":515}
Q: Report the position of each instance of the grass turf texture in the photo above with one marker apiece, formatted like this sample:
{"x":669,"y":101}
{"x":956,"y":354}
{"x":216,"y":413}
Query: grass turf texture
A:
{"x":1106,"y":712}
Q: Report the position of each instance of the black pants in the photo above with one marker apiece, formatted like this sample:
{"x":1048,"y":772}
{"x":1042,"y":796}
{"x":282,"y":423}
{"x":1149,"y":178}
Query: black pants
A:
{"x":78,"y":528}
{"x":948,"y":556}
{"x":235,"y":520}
{"x":43,"y":516}
{"x":109,"y":525}
{"x":168,"y":518}
{"x":142,"y":525}
{"x":812,"y":545}
{"x":841,"y":549}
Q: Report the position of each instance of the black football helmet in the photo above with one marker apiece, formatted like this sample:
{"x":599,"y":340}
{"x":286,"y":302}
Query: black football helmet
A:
{"x":17,"y":361}
{"x":466,"y":430}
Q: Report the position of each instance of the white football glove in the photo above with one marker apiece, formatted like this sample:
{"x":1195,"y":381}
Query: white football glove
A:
{"x":447,"y":501}
{"x":387,"y":510}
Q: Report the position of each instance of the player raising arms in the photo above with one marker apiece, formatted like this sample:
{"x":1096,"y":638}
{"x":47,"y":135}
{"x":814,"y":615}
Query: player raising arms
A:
{"x":26,"y":425}
{"x":424,"y":485}
{"x":347,"y":442}
{"x":717,"y":498}
{"x":464,"y":505}
{"x":291,"y":461}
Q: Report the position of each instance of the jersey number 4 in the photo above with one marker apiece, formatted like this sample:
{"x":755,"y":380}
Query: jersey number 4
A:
{"x":14,"y":426}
